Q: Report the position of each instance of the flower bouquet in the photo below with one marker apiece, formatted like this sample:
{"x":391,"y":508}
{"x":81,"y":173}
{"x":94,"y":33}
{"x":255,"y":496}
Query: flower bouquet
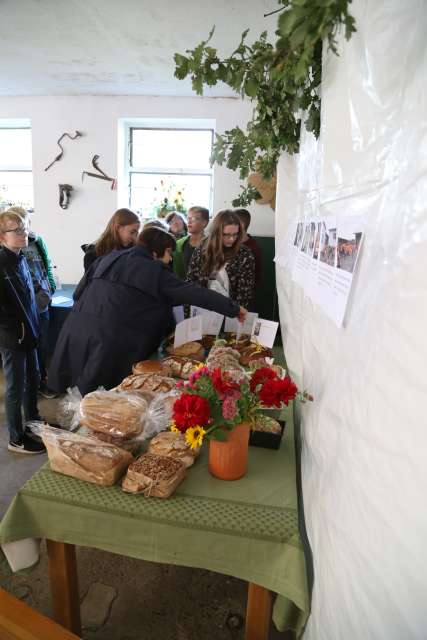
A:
{"x":213,"y":403}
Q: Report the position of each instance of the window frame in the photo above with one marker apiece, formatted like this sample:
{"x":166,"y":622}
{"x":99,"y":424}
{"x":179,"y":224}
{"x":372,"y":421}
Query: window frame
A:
{"x":9,"y":168}
{"x":183,"y":124}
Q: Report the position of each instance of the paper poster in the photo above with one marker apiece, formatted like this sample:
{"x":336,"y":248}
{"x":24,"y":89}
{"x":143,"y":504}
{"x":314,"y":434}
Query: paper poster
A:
{"x":327,"y":259}
{"x":189,"y":330}
{"x":211,"y":321}
{"x":264,"y":332}
{"x":232,"y":325}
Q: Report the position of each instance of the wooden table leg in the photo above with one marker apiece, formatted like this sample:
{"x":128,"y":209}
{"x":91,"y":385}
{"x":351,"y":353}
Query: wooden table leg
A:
{"x":64,"y":585}
{"x":258,"y":613}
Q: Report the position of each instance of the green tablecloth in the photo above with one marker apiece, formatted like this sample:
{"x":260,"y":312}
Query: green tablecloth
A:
{"x":247,"y":528}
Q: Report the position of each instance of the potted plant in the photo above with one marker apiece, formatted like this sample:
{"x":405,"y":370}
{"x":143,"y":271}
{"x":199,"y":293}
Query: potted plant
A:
{"x":221,"y":407}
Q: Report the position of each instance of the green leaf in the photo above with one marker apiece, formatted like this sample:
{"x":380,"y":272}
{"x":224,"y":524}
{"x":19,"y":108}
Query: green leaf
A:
{"x":219,"y":434}
{"x":251,"y":88}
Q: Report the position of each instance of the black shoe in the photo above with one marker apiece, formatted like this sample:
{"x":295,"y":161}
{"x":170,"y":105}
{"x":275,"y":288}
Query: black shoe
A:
{"x":32,"y":435}
{"x":46,"y":392}
{"x":27,"y":445}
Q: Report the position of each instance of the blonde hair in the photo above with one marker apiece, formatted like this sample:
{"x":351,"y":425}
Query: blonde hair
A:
{"x":9,"y":216}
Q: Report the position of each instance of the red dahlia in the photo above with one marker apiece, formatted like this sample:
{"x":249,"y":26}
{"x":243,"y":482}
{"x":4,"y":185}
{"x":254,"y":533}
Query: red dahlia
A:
{"x":276,"y":392}
{"x":260,"y":376}
{"x":190,"y":411}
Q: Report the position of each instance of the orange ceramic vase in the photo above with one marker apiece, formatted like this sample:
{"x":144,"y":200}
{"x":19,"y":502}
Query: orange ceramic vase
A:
{"x":229,"y":460}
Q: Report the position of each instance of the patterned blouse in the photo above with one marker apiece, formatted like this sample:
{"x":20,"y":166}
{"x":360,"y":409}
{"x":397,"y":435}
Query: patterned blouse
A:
{"x":240,"y":270}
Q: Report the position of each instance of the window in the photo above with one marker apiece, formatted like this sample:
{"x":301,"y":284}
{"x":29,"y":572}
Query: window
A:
{"x":169,"y":168}
{"x":16,"y":177}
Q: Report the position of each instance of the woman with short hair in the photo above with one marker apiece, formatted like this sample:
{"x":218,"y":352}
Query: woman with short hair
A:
{"x":121,"y":232}
{"x":122,"y":312}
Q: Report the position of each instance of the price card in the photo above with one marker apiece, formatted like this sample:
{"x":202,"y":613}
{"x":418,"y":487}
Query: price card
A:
{"x":264,"y":332}
{"x":211,"y":321}
{"x":189,"y":330}
{"x":232,"y":325}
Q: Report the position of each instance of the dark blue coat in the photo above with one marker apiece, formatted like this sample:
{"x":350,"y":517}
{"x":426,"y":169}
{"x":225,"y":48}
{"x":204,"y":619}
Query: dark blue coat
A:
{"x":123,"y":310}
{"x":19,"y":318}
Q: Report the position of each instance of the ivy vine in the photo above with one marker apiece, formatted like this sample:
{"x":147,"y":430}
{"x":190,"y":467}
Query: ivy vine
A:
{"x":281,"y":78}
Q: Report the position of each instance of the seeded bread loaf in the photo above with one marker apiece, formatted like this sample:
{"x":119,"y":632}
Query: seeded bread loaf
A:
{"x":153,"y":475}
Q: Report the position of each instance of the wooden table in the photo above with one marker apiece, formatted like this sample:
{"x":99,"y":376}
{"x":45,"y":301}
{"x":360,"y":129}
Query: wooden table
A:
{"x":247,"y":529}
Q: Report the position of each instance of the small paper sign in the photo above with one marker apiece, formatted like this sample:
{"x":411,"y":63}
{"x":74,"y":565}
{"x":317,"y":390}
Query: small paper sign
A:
{"x":188,"y":331}
{"x":264,"y":332}
{"x":232,"y":325}
{"x":211,"y":321}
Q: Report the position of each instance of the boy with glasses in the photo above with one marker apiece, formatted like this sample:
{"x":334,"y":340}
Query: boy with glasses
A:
{"x":19,"y":334}
{"x":197,"y":221}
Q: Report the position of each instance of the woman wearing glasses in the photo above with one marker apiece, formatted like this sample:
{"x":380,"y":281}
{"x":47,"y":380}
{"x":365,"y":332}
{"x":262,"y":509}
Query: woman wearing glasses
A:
{"x":222,"y":263}
{"x":19,"y":334}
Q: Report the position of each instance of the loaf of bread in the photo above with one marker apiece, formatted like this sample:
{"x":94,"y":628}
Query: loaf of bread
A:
{"x":179,"y":366}
{"x":190,"y":349}
{"x":85,"y":458}
{"x":224,"y":358}
{"x":147,"y":366}
{"x":120,"y":415}
{"x":148,"y":382}
{"x":254,"y":352}
{"x":173,"y":445}
{"x":153,"y":475}
{"x":267,"y":424}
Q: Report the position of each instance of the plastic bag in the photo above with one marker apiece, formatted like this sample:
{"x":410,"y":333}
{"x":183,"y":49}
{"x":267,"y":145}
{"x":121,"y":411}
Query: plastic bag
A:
{"x":114,"y":413}
{"x":159,"y":413}
{"x":69,"y":409}
{"x":82,"y":457}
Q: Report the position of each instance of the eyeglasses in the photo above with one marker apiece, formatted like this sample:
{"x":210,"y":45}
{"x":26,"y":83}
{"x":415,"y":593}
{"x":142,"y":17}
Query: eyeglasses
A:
{"x":230,"y":235}
{"x":20,"y":231}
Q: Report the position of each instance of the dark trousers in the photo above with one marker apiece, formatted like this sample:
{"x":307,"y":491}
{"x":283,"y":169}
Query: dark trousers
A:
{"x":43,"y":341}
{"x":21,"y":371}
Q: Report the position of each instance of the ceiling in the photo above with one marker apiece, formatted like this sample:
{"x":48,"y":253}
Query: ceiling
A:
{"x":106,"y":47}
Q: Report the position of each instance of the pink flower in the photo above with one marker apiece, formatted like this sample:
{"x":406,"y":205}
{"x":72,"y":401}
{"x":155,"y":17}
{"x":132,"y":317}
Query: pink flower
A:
{"x":201,"y":371}
{"x":229,"y":408}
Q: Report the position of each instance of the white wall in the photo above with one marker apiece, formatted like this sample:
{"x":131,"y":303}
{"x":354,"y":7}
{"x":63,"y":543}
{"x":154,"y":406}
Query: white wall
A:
{"x":93,"y":202}
{"x":364,"y":459}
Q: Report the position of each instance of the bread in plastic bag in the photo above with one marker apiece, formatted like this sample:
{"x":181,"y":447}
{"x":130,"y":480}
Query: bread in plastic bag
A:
{"x":153,"y":475}
{"x":83,"y":457}
{"x":117,"y":414}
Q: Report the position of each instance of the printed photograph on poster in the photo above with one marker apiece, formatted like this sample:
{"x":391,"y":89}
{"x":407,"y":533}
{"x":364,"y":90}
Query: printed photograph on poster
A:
{"x":298,"y":234}
{"x":328,"y":246}
{"x":188,"y":330}
{"x":264,"y":332}
{"x":312,"y":238}
{"x":348,"y":249}
{"x":317,"y":241}
{"x":306,"y":238}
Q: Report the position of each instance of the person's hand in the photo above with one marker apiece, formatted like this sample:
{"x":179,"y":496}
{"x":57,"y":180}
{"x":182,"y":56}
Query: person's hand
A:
{"x":242,"y":314}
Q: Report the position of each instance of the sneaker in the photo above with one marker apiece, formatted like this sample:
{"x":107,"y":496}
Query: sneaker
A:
{"x":32,"y":435}
{"x":27,"y":445}
{"x":46,"y":392}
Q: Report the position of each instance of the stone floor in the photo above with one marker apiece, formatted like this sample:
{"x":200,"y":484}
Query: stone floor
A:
{"x":123,"y":598}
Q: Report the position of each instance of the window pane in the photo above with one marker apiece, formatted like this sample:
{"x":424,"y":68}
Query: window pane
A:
{"x":171,"y":149}
{"x":15,"y":149}
{"x":16,"y":188}
{"x":148,"y":192}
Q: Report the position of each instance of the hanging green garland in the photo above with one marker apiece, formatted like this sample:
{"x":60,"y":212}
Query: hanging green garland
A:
{"x":283,"y":80}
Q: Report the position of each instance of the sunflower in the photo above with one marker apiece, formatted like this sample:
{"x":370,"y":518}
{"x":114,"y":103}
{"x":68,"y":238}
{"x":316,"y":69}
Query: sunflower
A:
{"x":194,"y":436}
